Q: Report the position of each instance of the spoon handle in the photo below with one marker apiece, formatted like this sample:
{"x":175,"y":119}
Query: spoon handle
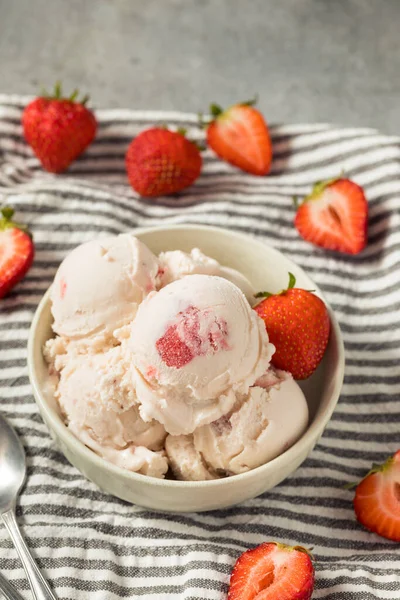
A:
{"x":39,"y":586}
{"x":9,"y":592}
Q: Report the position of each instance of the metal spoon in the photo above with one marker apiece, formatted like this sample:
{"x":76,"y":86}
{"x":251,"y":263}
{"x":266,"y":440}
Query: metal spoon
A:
{"x":9,"y":592}
{"x":12,"y":477}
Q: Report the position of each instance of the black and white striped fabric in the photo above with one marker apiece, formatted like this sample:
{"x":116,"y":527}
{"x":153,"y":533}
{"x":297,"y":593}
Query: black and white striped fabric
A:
{"x":94,"y":546}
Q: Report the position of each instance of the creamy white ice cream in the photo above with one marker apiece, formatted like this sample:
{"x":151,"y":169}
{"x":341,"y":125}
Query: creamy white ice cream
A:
{"x":187,"y":464}
{"x":176,"y":264}
{"x":194,"y":345}
{"x":262,"y":424}
{"x":99,"y":286}
{"x":100,"y":407}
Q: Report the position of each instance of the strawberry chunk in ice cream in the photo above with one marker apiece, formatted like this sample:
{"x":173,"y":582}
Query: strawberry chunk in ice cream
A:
{"x":196,"y":333}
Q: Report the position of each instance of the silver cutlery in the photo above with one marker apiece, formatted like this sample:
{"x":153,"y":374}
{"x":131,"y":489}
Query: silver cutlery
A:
{"x":8,"y":591}
{"x":12,"y":477}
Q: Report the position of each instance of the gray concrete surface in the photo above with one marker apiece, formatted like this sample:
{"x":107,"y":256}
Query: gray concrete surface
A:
{"x":309,"y":60}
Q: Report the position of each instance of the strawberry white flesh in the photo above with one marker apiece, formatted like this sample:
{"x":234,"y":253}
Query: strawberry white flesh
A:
{"x":271,"y":572}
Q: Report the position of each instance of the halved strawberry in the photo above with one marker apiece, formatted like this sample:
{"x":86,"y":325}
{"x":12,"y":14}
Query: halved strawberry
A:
{"x":377,"y":499}
{"x":334,"y":216}
{"x":272,"y":572}
{"x":240,"y":136}
{"x":16,"y":251}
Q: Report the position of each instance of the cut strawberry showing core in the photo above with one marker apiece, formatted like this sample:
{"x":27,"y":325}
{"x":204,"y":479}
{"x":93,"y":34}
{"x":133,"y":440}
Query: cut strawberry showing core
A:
{"x":272,"y":572}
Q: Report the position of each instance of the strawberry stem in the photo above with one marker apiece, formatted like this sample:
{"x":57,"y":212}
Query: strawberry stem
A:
{"x":251,"y":102}
{"x":296,"y":548}
{"x":376,"y":468}
{"x":215,"y":110}
{"x":6,"y":221}
{"x":57,"y":90}
{"x":319,"y":187}
{"x":58,"y":95}
{"x":74,"y":95}
{"x":7,"y":212}
{"x":350,"y":485}
{"x":292,"y":282}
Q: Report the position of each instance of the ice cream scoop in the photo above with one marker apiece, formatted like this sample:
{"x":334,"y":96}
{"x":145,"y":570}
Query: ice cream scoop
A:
{"x":98,"y":401}
{"x":176,"y":264}
{"x":194,"y":346}
{"x":187,"y":464}
{"x":263,"y":424}
{"x":99,"y":286}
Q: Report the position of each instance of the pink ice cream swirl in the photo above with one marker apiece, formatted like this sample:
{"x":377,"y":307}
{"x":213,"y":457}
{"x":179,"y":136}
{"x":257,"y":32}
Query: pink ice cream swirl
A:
{"x":197,"y":332}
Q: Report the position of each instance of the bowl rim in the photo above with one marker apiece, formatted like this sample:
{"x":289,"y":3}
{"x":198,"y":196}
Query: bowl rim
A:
{"x":309,"y":437}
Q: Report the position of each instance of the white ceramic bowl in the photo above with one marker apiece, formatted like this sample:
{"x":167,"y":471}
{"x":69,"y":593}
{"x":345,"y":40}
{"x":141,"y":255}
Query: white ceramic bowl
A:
{"x":267,"y":269}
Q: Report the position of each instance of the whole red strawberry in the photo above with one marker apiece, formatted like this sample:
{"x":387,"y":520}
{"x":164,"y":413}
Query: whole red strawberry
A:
{"x":272,"y":572}
{"x":16,"y":251}
{"x":334,"y":216}
{"x":161,"y":162}
{"x":58,"y":129}
{"x":377,"y":499}
{"x":240,"y":136}
{"x":298,"y":325}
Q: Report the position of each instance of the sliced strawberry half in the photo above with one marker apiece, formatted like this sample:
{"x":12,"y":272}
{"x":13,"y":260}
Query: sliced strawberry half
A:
{"x":16,"y":251}
{"x":272,"y":572}
{"x":240,"y":136}
{"x":334,"y":216}
{"x":377,"y":499}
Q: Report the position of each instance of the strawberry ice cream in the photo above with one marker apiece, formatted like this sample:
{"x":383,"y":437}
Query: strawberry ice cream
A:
{"x":187,"y":464}
{"x":176,"y":264}
{"x":104,"y":413}
{"x":99,"y":286}
{"x":194,"y":345}
{"x":163,"y":366}
{"x":260,"y":426}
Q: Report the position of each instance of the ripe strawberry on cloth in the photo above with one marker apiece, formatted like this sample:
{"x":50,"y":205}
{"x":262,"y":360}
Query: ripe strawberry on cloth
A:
{"x":161,"y":162}
{"x":239,"y":135}
{"x":377,"y":499}
{"x":58,"y":128}
{"x":16,"y":251}
{"x":272,"y":571}
{"x":334,"y":216}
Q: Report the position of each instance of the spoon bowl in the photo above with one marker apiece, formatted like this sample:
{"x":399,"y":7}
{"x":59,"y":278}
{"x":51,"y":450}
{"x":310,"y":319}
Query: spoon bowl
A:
{"x":12,"y":466}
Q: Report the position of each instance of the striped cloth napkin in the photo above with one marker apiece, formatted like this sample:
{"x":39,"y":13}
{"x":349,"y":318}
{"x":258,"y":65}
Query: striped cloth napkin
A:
{"x":95,"y":546}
